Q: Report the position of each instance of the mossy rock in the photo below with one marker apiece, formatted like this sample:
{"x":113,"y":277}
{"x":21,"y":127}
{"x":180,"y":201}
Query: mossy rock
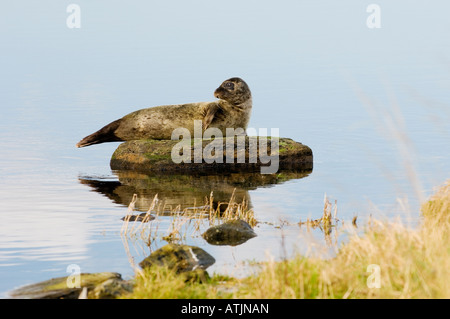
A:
{"x":181,"y":258}
{"x":58,"y":288}
{"x":196,"y":276}
{"x":156,"y":155}
{"x":111,"y":289}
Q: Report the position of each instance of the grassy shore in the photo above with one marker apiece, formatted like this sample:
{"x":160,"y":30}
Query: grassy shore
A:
{"x":389,"y":260}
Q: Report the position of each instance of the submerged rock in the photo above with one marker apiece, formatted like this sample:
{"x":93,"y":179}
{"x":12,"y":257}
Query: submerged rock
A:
{"x":231,"y":233}
{"x":61,"y":287}
{"x":143,"y":217}
{"x":179,"y":257}
{"x":156,"y":155}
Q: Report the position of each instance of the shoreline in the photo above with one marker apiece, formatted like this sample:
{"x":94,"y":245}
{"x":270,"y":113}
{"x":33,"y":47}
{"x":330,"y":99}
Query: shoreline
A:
{"x":388,"y":260}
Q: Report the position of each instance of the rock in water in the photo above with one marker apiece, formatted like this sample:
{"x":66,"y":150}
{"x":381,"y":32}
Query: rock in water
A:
{"x":156,"y":155}
{"x":179,"y":257}
{"x":143,"y":217}
{"x":231,"y":233}
{"x":61,"y":287}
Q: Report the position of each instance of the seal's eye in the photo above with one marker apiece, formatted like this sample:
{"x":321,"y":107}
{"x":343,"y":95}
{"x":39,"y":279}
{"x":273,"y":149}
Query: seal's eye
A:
{"x":229,"y":85}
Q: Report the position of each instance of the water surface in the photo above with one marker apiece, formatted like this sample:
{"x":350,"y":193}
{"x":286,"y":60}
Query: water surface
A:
{"x":373,"y":104}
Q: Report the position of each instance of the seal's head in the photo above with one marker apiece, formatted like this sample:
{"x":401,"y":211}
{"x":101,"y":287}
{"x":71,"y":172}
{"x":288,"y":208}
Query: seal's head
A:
{"x":234,"y":91}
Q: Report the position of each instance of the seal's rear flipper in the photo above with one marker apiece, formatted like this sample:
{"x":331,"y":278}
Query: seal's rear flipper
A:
{"x":105,"y":134}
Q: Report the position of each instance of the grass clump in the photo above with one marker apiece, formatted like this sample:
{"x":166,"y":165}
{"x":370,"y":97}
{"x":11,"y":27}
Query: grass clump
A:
{"x":437,"y":208}
{"x":158,"y":282}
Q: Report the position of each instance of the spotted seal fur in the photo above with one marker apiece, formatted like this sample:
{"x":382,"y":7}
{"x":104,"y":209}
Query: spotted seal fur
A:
{"x":231,"y":110}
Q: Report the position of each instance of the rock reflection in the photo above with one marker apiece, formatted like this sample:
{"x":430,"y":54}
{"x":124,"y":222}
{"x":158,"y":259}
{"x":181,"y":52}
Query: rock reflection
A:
{"x":184,"y":191}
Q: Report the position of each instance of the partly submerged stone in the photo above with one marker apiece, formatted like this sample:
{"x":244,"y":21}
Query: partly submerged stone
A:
{"x":143,"y":217}
{"x":181,"y":258}
{"x":231,"y":233}
{"x":67,"y":287}
{"x":252,"y":154}
{"x":110,"y":289}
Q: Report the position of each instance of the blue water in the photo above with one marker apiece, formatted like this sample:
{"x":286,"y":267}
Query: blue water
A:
{"x":373,"y":104}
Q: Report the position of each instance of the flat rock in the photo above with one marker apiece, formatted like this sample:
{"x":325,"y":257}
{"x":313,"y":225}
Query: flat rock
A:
{"x":156,"y":155}
{"x":230,"y":233}
{"x":58,"y":288}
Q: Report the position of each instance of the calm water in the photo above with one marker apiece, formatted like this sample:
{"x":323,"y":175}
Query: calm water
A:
{"x":373,"y":104}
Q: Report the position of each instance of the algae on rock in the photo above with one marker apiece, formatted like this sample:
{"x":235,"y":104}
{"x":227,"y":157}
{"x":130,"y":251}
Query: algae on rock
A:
{"x":156,"y":156}
{"x":61,"y":287}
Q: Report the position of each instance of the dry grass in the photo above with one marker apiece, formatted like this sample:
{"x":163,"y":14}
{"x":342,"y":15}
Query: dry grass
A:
{"x":162,"y":283}
{"x":412,"y":263}
{"x":328,"y":220}
{"x":183,"y":223}
{"x":233,"y":211}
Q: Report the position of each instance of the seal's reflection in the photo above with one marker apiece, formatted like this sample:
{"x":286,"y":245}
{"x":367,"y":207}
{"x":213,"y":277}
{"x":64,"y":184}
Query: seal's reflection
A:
{"x":185,"y":190}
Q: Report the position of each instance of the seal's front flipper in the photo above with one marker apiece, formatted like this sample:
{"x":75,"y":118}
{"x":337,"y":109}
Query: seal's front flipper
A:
{"x":209,"y":114}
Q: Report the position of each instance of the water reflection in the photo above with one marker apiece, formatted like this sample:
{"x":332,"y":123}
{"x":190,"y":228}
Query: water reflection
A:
{"x":185,"y":190}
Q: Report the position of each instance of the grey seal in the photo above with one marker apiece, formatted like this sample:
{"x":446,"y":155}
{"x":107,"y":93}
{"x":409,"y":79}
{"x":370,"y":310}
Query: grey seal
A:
{"x":231,"y":110}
